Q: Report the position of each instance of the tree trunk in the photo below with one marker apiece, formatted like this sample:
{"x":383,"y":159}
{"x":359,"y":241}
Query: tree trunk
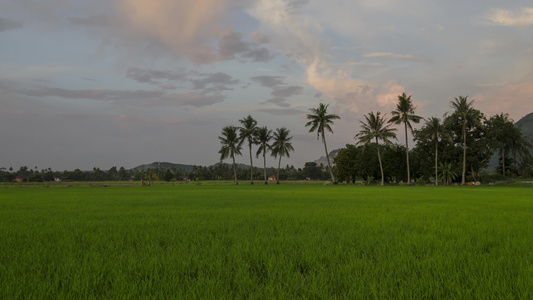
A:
{"x":380,"y":165}
{"x":251,"y":165}
{"x":265,"y":166}
{"x":436,"y":159}
{"x":234,"y":170}
{"x":327,"y":156}
{"x":464,"y":154}
{"x":407,"y":155}
{"x":279,"y":165}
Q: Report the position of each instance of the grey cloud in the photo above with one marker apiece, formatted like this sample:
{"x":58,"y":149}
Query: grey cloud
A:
{"x":231,"y":46}
{"x":152,"y":76}
{"x":269,"y":81}
{"x":295,"y":5}
{"x":135,"y":97}
{"x":280,"y":101}
{"x":216,"y":81}
{"x":8,"y":24}
{"x":194,"y":99}
{"x":260,"y":38}
{"x":281,"y":95}
{"x":288,"y":91}
{"x":103,"y":95}
{"x":389,"y":55}
{"x":98,"y":20}
{"x":258,"y":55}
{"x":282,"y":111}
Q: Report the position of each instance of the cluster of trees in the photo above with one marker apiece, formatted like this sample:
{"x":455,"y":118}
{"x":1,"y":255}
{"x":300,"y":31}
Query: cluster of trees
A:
{"x":220,"y":171}
{"x":233,"y":138}
{"x":463,"y":142}
{"x":35,"y":175}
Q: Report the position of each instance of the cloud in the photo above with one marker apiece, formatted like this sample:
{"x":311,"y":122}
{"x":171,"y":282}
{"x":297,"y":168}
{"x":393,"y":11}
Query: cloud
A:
{"x":94,"y":20}
{"x":281,"y":111}
{"x":299,"y":37}
{"x":259,"y":38}
{"x":515,"y":98}
{"x":193,"y":99}
{"x":102,"y":95}
{"x":282,"y":93}
{"x":206,"y":82}
{"x":354,"y":95}
{"x":388,"y":55}
{"x":152,"y":76}
{"x":216,"y":81}
{"x":269,"y":81}
{"x":8,"y":24}
{"x":288,"y":91}
{"x":231,"y":45}
{"x":188,"y":28}
{"x":521,"y":18}
{"x":279,"y":101}
{"x":184,"y":26}
{"x":135,"y":97}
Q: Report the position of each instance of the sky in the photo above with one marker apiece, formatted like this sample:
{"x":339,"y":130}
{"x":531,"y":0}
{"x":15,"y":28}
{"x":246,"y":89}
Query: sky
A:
{"x":105,"y":83}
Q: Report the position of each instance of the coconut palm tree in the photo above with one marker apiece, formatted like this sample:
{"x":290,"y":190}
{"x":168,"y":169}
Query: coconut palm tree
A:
{"x":375,"y":129}
{"x":434,"y":130}
{"x":404,"y":113}
{"x":320,"y":121}
{"x":247,"y":132}
{"x":263,"y":136}
{"x":231,"y":145}
{"x":466,"y":115}
{"x":281,"y":145}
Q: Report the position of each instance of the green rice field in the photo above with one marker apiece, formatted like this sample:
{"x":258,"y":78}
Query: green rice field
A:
{"x":220,"y":241}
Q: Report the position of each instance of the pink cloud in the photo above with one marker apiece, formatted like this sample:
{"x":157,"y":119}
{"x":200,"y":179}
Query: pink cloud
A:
{"x":183,"y":26}
{"x":515,"y":99}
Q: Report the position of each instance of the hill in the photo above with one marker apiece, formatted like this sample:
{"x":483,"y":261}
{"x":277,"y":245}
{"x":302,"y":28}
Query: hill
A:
{"x":526,"y":123}
{"x":322,"y":160}
{"x":527,"y":126}
{"x":164,"y":165}
{"x":181,"y":167}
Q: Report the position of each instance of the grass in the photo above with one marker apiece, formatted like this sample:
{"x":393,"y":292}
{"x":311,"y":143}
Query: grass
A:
{"x":288,"y":241}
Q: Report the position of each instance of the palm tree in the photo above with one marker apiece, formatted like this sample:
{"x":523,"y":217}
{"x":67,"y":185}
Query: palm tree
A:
{"x":231,"y":145}
{"x":404,"y":113}
{"x":448,"y":174}
{"x":465,"y":114}
{"x":281,"y":146}
{"x":434,"y":130}
{"x":374,"y":128}
{"x":247,"y":132}
{"x":263,"y":136}
{"x":319,"y":122}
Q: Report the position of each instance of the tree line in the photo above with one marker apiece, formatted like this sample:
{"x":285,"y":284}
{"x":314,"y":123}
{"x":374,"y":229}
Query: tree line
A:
{"x":220,"y":171}
{"x":462,"y":142}
{"x":460,"y":145}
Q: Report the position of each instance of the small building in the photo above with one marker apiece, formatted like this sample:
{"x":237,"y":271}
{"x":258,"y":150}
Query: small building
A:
{"x":21,"y":178}
{"x":272,"y":178}
{"x":57,"y":179}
